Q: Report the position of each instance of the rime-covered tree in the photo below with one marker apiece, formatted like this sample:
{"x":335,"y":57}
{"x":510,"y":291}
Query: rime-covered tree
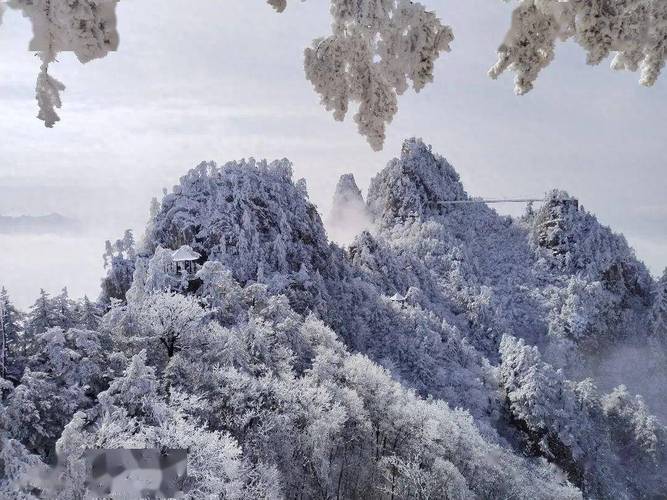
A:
{"x":128,"y":243}
{"x":39,"y":408}
{"x":87,"y":314}
{"x":63,"y":312}
{"x":119,"y":260}
{"x":170,"y":319}
{"x":38,"y":320}
{"x":10,"y":333}
{"x":659,"y":308}
{"x":221,"y":293}
{"x":73,"y":356}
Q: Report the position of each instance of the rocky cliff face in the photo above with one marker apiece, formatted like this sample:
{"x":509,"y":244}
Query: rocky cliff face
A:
{"x":347,"y":192}
{"x":571,"y":240}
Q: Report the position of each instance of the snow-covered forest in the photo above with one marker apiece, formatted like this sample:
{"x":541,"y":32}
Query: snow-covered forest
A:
{"x":446,"y":352}
{"x":406,"y":342}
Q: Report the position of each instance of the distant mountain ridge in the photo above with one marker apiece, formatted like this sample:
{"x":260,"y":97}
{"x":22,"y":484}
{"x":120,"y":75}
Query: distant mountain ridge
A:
{"x":53,"y":223}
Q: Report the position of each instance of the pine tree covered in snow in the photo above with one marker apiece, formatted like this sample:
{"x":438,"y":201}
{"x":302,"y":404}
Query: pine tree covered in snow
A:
{"x":87,"y":314}
{"x":659,"y":308}
{"x":40,"y":318}
{"x":10,"y":334}
{"x":63,"y":310}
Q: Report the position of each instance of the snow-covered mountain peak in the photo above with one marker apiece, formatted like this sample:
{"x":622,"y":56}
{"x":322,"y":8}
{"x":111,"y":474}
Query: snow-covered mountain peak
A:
{"x":415,"y":185}
{"x":349,"y":215}
{"x":347,"y":191}
{"x":249,"y":215}
{"x":569,"y":238}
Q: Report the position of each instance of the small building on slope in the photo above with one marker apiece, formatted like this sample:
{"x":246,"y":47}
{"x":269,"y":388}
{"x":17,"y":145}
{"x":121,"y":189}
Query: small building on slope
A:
{"x":185,"y":260}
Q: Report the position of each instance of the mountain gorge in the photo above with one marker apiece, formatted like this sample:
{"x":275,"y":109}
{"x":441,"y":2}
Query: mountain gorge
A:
{"x":446,"y":352}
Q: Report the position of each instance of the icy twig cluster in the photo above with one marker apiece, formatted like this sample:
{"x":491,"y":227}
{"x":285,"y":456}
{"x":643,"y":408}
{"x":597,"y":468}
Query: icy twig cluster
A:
{"x":635,"y":31}
{"x":85,"y":27}
{"x":376,"y":47}
{"x":48,"y":91}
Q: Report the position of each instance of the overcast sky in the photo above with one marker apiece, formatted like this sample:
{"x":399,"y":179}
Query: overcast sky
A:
{"x":225,"y":80}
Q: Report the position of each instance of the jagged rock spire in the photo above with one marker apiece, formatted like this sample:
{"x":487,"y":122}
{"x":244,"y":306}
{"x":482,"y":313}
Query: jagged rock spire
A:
{"x":349,"y":215}
{"x":347,"y":191}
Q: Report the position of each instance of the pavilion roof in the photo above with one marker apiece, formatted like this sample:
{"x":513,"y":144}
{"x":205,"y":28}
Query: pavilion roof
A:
{"x":185,"y":254}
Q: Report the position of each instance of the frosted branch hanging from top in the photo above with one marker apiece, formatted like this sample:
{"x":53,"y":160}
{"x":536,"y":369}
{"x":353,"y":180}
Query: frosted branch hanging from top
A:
{"x":633,"y":31}
{"x":378,"y":48}
{"x":85,"y":27}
